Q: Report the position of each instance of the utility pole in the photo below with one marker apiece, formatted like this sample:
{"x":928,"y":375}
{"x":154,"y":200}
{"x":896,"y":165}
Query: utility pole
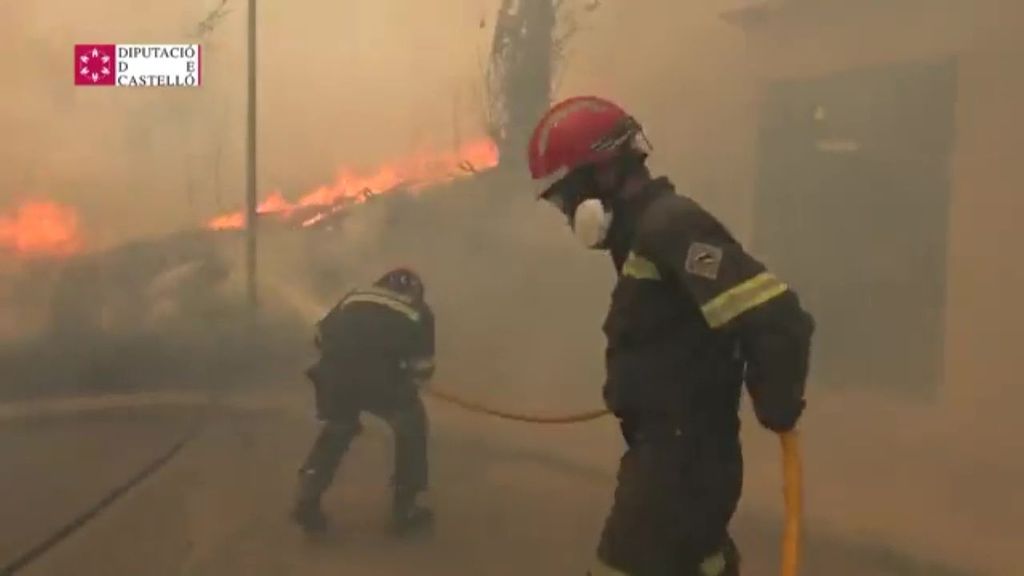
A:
{"x":250,"y":168}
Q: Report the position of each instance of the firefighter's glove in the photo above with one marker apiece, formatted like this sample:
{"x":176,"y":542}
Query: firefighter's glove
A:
{"x":779,"y":418}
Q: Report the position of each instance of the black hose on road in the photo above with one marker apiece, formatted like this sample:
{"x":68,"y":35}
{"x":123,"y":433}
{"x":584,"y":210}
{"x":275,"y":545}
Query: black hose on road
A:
{"x":90,"y":514}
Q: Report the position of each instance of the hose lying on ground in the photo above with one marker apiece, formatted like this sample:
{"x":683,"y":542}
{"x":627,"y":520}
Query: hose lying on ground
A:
{"x":518,"y":417}
{"x":55,"y":538}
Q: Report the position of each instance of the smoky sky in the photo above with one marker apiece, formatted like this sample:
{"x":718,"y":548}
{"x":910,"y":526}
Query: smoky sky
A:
{"x":340,"y":84}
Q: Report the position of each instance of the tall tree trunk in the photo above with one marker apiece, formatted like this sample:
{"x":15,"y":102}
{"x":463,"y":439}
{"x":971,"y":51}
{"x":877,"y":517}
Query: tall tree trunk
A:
{"x":520,"y":74}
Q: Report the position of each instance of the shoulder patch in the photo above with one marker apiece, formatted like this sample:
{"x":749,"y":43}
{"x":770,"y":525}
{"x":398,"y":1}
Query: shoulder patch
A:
{"x":704,"y":260}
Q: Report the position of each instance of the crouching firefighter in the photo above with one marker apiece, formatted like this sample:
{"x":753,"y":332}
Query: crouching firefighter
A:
{"x":376,"y":350}
{"x":693,"y":317}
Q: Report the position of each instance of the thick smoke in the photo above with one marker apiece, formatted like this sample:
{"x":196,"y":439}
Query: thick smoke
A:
{"x":519,"y":304}
{"x":519,"y":307}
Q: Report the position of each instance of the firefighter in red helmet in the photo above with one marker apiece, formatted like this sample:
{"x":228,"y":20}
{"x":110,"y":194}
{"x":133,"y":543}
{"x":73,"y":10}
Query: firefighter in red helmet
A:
{"x":693,"y":317}
{"x":376,"y":350}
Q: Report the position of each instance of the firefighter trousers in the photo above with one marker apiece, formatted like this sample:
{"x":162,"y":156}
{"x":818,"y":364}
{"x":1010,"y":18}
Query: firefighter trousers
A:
{"x":672,"y":506}
{"x":408,"y":422}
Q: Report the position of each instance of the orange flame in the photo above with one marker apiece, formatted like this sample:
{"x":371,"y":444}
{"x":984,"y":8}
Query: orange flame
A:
{"x":39,"y":229}
{"x":415,"y":173}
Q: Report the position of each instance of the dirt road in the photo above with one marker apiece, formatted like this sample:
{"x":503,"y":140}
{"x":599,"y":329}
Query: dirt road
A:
{"x":219,"y":508}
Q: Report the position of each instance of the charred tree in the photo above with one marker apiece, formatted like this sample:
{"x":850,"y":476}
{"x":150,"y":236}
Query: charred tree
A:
{"x":528,"y":54}
{"x":519,"y":75}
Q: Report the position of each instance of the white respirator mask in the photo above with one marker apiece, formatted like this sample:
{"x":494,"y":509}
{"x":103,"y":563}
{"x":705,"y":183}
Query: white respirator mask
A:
{"x":591,"y":223}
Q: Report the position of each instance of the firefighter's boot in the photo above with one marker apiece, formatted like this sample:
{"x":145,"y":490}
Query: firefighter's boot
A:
{"x":307,"y":512}
{"x":408,"y":515}
{"x":317,"y":472}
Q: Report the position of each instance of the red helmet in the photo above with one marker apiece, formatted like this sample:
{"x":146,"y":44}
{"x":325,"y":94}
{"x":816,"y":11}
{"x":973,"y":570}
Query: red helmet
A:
{"x":577,"y":132}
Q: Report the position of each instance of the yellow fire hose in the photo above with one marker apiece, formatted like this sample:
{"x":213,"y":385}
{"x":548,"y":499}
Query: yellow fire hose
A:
{"x":481,"y":409}
{"x":792,"y":482}
{"x":792,"y":473}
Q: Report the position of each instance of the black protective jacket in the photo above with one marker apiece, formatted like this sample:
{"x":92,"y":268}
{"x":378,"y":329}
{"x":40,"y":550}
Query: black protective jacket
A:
{"x":374,"y":345}
{"x":693,"y":317}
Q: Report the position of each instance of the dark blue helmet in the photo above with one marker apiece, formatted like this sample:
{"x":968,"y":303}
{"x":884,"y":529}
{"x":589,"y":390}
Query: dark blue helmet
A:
{"x":403,"y":281}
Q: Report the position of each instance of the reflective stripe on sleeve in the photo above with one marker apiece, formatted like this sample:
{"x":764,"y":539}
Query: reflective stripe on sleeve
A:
{"x":640,"y":268}
{"x":714,"y":565}
{"x":750,"y":294}
{"x":384,"y":298}
{"x":421,"y":364}
{"x":601,"y":569}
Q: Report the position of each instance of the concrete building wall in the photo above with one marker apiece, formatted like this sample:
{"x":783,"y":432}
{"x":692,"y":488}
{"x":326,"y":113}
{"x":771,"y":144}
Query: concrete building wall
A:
{"x":937,"y":478}
{"x":818,"y":41}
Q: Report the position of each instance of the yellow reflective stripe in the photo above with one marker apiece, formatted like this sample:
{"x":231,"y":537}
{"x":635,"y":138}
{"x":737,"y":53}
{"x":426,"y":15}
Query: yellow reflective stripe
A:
{"x":745,"y":296}
{"x":640,"y":268}
{"x":384,"y":298}
{"x":421,"y":364}
{"x":602,"y":569}
{"x":387,"y":294}
{"x":713,"y":565}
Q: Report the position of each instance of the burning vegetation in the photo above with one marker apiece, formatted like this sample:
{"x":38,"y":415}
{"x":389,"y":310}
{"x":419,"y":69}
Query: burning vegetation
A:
{"x":125,"y":316}
{"x":47,"y":229}
{"x":351,"y":187}
{"x":40,"y":229}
